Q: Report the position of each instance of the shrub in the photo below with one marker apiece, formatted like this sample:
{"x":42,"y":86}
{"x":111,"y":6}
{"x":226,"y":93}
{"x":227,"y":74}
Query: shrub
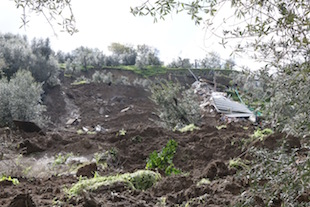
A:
{"x":163,"y":160}
{"x":102,"y":77}
{"x":142,"y":82}
{"x":123,"y":80}
{"x":177,"y":106}
{"x":21,"y":99}
{"x":276,"y":179}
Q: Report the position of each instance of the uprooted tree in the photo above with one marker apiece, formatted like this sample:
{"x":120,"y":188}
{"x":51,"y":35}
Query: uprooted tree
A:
{"x":276,"y":32}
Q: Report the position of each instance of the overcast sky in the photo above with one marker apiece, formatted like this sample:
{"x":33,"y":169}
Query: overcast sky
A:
{"x":102,"y":22}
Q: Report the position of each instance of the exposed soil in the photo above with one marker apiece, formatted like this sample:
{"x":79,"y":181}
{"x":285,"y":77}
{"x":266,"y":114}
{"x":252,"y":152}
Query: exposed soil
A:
{"x":203,"y":153}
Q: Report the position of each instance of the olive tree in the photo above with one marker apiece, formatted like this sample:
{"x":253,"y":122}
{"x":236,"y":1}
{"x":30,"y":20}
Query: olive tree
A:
{"x":16,"y":53}
{"x":180,"y":63}
{"x":59,"y":12}
{"x":147,"y":55}
{"x":123,"y":54}
{"x":21,"y":99}
{"x":275,"y":32}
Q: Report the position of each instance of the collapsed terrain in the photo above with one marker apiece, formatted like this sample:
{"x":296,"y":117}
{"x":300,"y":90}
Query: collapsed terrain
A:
{"x":117,"y":121}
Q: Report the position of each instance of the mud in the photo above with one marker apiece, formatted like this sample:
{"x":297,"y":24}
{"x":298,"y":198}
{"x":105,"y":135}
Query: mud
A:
{"x":46,"y":165}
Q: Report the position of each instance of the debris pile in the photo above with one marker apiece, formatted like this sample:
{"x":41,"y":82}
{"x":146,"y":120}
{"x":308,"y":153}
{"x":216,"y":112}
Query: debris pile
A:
{"x":212,"y":101}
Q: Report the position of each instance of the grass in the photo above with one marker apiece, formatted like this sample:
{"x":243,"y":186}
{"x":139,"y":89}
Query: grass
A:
{"x":82,"y":82}
{"x":151,"y":70}
{"x":139,"y":180}
{"x":188,"y":128}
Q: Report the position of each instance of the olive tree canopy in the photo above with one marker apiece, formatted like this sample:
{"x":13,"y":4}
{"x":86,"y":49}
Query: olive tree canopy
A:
{"x":59,"y":11}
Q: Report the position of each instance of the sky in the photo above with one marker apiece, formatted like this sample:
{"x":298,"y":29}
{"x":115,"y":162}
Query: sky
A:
{"x":101,"y":22}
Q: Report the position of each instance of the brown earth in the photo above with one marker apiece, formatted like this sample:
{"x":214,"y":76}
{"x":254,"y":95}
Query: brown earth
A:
{"x":204,"y":153}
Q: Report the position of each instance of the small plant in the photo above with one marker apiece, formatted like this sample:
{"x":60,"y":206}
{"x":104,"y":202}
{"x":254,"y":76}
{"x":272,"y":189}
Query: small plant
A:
{"x":187,"y":128}
{"x":14,"y":181}
{"x":238,"y":164}
{"x":61,"y":159}
{"x":260,"y":134}
{"x":163,"y":160}
{"x":122,"y":132}
{"x":221,"y":127}
{"x":136,"y":139}
{"x":203,"y":181}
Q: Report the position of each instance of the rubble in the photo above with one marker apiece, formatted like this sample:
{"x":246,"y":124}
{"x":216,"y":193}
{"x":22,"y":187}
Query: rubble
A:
{"x":212,"y":101}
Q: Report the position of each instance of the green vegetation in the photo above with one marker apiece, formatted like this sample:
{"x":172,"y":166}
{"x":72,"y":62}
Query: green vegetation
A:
{"x":260,"y":134}
{"x":187,"y":128}
{"x":221,"y":127}
{"x":139,"y":180}
{"x":203,"y":181}
{"x":61,"y":159}
{"x":177,"y":107}
{"x":21,"y":99}
{"x":276,"y":177}
{"x":14,"y":181}
{"x":82,"y":82}
{"x":163,"y":160}
{"x":238,"y":164}
{"x":122,"y":132}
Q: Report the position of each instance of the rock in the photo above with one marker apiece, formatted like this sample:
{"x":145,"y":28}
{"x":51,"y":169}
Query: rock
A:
{"x":87,"y":170}
{"x":101,"y":111}
{"x":22,"y":200}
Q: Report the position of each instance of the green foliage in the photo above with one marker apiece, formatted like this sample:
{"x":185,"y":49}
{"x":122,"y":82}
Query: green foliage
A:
{"x":276,"y":177}
{"x":238,"y":164}
{"x":140,"y":180}
{"x":177,"y":107}
{"x":21,"y":99}
{"x":221,"y":127}
{"x":203,"y":181}
{"x":59,"y":11}
{"x":15,"y":181}
{"x":163,"y":160}
{"x":16,"y":53}
{"x":84,"y":59}
{"x":180,"y":63}
{"x":61,"y":159}
{"x":260,"y":134}
{"x":188,"y":128}
{"x":147,"y":55}
{"x":121,"y":132}
{"x":80,"y":81}
{"x":123,"y":54}
{"x":274,"y":32}
{"x":102,"y":77}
